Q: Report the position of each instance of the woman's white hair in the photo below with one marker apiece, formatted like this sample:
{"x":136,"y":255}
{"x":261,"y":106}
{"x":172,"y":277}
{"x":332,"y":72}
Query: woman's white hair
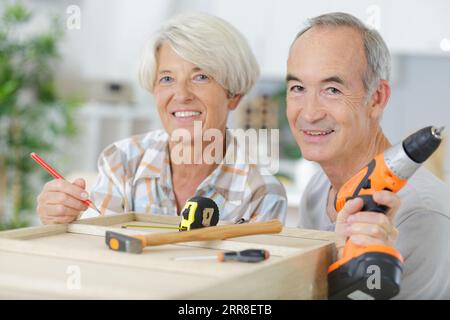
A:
{"x":208,"y":42}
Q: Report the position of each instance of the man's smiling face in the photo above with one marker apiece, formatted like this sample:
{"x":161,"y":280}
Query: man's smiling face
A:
{"x":326,"y":98}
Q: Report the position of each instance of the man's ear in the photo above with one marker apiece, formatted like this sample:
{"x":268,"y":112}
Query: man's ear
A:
{"x":379,"y":99}
{"x":234,"y":102}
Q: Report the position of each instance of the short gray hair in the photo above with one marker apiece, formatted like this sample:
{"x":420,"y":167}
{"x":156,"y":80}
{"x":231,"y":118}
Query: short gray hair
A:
{"x":210,"y":43}
{"x":377,"y":52}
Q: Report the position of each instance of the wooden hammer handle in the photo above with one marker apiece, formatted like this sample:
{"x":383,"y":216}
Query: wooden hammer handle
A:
{"x":212,"y":233}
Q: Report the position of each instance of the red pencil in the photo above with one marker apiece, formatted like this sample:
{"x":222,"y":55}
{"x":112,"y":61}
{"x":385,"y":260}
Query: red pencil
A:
{"x":56,"y":175}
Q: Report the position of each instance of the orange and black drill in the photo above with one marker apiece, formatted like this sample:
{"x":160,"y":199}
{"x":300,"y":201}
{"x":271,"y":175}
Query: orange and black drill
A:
{"x":352,"y":276}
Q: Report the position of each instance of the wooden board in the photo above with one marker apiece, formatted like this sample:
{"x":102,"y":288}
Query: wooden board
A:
{"x":72,"y":261}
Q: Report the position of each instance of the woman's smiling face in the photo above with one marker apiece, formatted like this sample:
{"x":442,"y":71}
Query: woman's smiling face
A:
{"x":184,"y":93}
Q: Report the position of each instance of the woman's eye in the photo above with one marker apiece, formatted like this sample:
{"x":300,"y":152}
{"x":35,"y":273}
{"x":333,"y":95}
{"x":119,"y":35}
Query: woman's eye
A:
{"x":165,"y":80}
{"x":201,"y":77}
{"x":296,"y":88}
{"x":333,"y":90}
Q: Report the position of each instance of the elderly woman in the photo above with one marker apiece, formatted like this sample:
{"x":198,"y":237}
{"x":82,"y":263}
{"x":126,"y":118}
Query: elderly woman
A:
{"x":198,"y":68}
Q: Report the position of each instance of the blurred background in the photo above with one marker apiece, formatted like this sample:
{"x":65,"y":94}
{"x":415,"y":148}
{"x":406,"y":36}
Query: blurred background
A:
{"x":69,"y":85}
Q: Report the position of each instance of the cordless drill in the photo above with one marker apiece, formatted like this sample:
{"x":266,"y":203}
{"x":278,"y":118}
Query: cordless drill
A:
{"x":375,"y":271}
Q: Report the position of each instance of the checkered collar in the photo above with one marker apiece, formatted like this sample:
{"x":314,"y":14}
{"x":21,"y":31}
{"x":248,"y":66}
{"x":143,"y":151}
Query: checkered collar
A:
{"x":157,"y":165}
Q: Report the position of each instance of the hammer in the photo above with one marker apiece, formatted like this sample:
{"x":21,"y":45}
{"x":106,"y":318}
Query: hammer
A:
{"x":134,"y":244}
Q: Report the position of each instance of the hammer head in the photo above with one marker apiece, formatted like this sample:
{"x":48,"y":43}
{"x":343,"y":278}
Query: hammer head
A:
{"x":120,"y":242}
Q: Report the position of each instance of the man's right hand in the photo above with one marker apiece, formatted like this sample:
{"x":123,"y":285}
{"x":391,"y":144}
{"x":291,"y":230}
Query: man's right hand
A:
{"x":368,"y":228}
{"x":61,"y":201}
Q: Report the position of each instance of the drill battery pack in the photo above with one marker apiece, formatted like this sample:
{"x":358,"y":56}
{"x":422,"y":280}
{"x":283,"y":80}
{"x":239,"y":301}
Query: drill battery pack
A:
{"x":369,"y":276}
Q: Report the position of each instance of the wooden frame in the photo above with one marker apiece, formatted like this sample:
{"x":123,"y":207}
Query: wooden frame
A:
{"x":71,"y":261}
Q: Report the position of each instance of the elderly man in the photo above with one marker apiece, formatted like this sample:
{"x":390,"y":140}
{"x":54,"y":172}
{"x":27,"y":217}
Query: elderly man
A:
{"x":198,"y":68}
{"x":337,"y":89}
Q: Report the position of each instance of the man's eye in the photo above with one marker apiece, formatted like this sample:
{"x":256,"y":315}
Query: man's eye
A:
{"x":296,"y":88}
{"x":165,"y":79}
{"x":201,"y":77}
{"x":333,"y":90}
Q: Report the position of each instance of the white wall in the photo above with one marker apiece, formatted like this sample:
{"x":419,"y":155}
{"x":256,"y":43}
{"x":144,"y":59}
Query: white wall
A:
{"x":113,"y":32}
{"x":408,"y":26}
{"x":420,"y":97}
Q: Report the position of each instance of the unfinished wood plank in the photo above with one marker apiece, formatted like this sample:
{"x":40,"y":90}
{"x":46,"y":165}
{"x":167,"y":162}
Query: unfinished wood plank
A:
{"x":218,"y":244}
{"x":158,"y":218}
{"x":296,"y":269}
{"x":292,"y":242}
{"x":281,"y":280}
{"x":93,"y":249}
{"x":295,"y":277}
{"x":227,"y":245}
{"x":289,"y":237}
{"x":310,"y":234}
{"x":99,"y":231}
{"x":50,"y":278}
{"x":108,"y":220}
{"x":165,"y":219}
{"x":34,"y":232}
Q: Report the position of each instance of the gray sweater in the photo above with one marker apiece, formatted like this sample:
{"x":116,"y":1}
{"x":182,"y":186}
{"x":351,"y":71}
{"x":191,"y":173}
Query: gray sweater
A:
{"x":423,"y":221}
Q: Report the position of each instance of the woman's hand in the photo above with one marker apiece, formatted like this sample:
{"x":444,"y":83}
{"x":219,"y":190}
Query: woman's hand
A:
{"x":61,"y":201}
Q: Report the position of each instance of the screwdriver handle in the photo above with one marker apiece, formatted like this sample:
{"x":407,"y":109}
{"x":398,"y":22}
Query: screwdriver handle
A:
{"x":212,"y":233}
{"x":249,"y":255}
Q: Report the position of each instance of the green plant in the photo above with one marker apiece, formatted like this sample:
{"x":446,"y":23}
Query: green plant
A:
{"x":32,"y":116}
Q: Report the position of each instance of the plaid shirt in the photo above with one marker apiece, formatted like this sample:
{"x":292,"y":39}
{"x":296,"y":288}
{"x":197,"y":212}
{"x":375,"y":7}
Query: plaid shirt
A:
{"x":135,"y":175}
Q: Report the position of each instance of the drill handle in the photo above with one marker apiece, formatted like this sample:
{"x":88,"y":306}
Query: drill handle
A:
{"x":371,"y":205}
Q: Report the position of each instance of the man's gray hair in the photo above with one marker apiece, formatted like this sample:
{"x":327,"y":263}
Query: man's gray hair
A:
{"x":377,"y":52}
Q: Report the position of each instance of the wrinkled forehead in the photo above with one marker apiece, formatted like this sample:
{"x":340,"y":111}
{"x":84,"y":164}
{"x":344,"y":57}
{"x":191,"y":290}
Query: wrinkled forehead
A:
{"x":328,"y":51}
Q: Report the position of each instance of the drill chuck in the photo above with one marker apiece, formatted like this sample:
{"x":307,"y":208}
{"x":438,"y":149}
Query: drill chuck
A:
{"x":420,"y":145}
{"x":405,"y":158}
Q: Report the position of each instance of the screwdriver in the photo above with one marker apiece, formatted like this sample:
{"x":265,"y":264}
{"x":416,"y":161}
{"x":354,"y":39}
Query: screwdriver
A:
{"x":249,"y":255}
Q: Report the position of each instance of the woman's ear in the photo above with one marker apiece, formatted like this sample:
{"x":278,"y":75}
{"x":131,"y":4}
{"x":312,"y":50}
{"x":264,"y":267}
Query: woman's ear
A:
{"x":379,"y":99}
{"x":234,"y":101}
